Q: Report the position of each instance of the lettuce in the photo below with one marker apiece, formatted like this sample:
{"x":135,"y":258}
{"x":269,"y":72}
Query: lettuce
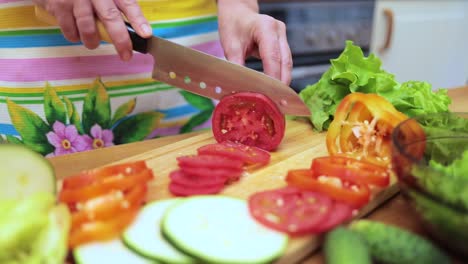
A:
{"x":353,"y":72}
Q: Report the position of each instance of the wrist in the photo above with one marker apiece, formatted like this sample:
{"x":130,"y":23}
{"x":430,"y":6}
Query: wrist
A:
{"x":250,"y":4}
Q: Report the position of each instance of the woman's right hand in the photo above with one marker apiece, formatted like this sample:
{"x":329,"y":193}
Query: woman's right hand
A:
{"x":77,"y":20}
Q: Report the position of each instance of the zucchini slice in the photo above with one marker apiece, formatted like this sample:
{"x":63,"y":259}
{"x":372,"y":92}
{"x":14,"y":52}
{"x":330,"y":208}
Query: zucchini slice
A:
{"x":24,"y":172}
{"x":113,"y":251}
{"x":144,"y":235}
{"x":220,"y":229}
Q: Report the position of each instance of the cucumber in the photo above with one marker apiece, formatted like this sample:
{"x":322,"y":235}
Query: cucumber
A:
{"x":390,"y":244}
{"x":24,"y":172}
{"x":113,"y":251}
{"x":343,"y":245}
{"x":220,"y":229}
{"x":145,"y":238}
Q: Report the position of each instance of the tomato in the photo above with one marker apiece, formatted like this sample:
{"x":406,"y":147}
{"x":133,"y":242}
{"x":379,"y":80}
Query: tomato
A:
{"x":340,"y":212}
{"x":250,"y":155}
{"x":209,"y":161}
{"x":354,"y":194}
{"x":107,"y":206}
{"x":88,"y":177}
{"x":101,"y":230}
{"x":183,"y":190}
{"x":225,"y":173}
{"x":290,"y":210}
{"x":182,"y":178}
{"x":105,"y":185}
{"x":362,"y":128}
{"x":352,"y":170}
{"x":248,"y":118}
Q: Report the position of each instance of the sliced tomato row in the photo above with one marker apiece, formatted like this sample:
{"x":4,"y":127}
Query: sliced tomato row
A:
{"x":318,"y":198}
{"x":105,"y":200}
{"x":213,"y":167}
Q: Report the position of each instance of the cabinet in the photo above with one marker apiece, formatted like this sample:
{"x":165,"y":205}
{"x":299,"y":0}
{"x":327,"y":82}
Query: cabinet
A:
{"x":423,"y":40}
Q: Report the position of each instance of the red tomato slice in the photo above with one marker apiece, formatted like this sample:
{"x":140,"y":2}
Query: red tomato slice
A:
{"x":182,"y":190}
{"x":249,"y":118}
{"x":352,"y":170}
{"x":209,"y":161}
{"x":226,"y":174}
{"x":290,"y":210}
{"x":184,"y":179}
{"x":102,"y":230}
{"x":340,"y":213}
{"x":250,"y":155}
{"x":108,"y":206}
{"x":356,"y":195}
{"x":88,"y":177}
{"x":105,"y":185}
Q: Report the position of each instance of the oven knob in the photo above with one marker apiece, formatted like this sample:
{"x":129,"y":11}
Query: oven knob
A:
{"x":312,"y":38}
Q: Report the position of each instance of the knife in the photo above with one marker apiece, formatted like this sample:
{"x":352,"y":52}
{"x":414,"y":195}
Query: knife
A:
{"x":201,"y":73}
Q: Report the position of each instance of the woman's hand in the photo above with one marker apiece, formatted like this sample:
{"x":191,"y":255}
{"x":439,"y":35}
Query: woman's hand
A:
{"x":77,"y":21}
{"x":244,"y":32}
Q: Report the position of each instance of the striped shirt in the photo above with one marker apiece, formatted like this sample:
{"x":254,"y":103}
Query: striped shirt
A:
{"x":58,"y":97}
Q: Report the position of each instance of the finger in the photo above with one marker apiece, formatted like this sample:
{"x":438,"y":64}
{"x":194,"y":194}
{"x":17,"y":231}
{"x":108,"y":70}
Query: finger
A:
{"x":268,"y":47}
{"x":84,"y":16}
{"x":110,"y":16}
{"x":286,"y":56}
{"x":63,"y":12}
{"x":132,"y":11}
{"x":234,"y":52}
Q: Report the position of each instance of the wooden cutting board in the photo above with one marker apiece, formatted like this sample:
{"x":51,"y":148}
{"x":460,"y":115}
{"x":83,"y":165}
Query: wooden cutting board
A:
{"x":299,"y":146}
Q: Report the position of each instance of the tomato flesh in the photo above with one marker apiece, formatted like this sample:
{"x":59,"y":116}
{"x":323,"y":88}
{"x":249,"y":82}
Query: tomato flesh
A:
{"x":290,"y":210}
{"x":248,"y":118}
{"x":183,"y":190}
{"x":250,"y":155}
{"x":339,"y":213}
{"x":209,"y":161}
{"x":356,"y":195}
{"x":352,"y":170}
{"x":185,"y":179}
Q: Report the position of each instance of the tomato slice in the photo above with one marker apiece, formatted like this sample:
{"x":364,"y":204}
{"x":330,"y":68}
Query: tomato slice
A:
{"x":352,"y":170}
{"x":182,"y":178}
{"x":183,"y":190}
{"x":248,"y":118}
{"x":340,"y":212}
{"x":88,"y":177}
{"x":228,"y":174}
{"x":290,"y":210}
{"x":102,"y":230}
{"x":105,"y":185}
{"x":250,"y":155}
{"x":108,"y":206}
{"x":354,"y":194}
{"x":209,"y":161}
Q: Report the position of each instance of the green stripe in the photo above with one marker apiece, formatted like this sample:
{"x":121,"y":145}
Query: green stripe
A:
{"x":81,"y":98}
{"x":83,"y":91}
{"x":153,"y":25}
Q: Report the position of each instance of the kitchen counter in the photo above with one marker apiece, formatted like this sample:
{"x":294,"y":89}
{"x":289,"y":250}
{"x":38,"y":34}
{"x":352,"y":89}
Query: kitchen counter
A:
{"x":395,"y":211}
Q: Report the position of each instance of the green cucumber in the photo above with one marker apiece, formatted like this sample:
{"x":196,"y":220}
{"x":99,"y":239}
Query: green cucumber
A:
{"x":113,"y":251}
{"x":343,"y":245}
{"x":392,"y":245}
{"x":145,"y":238}
{"x":220,"y":229}
{"x":24,"y":172}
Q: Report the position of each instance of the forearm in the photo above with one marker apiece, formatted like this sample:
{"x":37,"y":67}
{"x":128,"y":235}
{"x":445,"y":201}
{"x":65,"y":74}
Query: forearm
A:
{"x":229,"y":4}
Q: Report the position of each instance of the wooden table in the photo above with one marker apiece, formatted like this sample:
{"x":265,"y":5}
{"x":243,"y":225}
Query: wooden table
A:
{"x":395,"y":211}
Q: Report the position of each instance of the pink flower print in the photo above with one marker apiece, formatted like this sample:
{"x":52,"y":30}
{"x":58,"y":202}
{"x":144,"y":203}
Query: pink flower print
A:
{"x":101,"y":137}
{"x":66,"y":139}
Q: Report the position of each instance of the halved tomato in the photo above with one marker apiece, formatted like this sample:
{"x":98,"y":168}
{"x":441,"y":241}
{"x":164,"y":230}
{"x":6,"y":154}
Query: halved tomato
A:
{"x":290,"y":210}
{"x":250,"y":155}
{"x":249,"y":118}
{"x":354,"y":194}
{"x":352,"y":170}
{"x":91,"y":176}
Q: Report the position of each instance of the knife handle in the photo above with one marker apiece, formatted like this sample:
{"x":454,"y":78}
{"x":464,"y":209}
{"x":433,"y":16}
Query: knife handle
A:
{"x":139,"y":44}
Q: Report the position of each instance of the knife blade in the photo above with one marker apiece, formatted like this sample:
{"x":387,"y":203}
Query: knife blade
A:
{"x":202,"y":73}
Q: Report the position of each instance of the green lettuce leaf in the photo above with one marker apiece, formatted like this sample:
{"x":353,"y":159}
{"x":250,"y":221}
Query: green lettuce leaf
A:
{"x":353,"y":72}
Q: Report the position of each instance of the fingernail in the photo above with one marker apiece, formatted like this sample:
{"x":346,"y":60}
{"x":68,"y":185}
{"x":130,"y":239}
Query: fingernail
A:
{"x":146,"y":29}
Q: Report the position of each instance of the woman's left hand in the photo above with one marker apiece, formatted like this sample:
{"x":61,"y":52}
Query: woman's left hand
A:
{"x":244,"y":33}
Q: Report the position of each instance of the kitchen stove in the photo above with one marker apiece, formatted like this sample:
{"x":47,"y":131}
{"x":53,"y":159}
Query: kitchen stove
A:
{"x":317,"y":31}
